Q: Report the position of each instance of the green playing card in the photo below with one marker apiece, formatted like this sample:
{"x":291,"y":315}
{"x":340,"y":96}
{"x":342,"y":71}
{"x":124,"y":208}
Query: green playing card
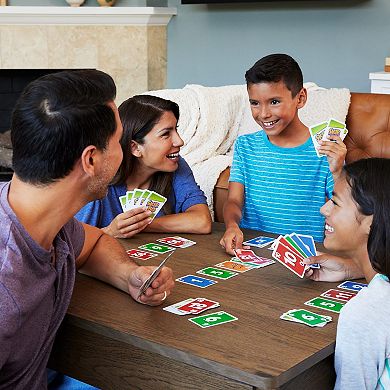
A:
{"x":217,"y":273}
{"x":208,"y":320}
{"x":307,"y":317}
{"x":155,"y":202}
{"x":157,"y":248}
{"x":326,"y":304}
{"x":335,"y":123}
{"x":123,"y":201}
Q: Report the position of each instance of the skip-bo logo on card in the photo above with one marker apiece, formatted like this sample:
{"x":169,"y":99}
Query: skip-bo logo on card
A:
{"x":152,"y":205}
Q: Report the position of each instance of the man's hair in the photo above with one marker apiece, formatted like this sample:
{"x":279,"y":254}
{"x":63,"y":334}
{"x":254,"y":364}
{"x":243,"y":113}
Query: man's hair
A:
{"x":56,"y":117}
{"x":274,"y":68}
{"x":369,"y":180}
{"x":139,"y":114}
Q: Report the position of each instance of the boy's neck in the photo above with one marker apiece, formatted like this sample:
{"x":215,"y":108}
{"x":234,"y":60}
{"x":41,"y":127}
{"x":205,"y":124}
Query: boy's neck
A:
{"x":295,"y":134}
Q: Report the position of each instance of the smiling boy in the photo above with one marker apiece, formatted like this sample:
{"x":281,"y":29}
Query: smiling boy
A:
{"x":277,"y":183}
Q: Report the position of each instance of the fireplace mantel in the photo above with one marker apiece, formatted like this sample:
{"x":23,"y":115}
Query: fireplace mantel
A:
{"x":129,"y":43}
{"x":152,"y":16}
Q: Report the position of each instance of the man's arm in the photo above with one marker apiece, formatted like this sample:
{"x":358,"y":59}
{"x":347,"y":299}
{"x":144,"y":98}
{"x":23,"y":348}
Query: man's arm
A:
{"x":104,"y":258}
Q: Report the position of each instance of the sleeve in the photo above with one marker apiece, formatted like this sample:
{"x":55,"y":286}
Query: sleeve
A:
{"x":9,"y":324}
{"x":76,"y":236}
{"x":91,"y":214}
{"x":360,"y":347}
{"x":236,"y":174}
{"x":187,"y":191}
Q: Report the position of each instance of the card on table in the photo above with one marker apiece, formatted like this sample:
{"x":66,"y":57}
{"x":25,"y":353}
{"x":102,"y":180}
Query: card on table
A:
{"x":198,"y":305}
{"x":196,"y":281}
{"x":217,"y":273}
{"x":138,"y":254}
{"x":176,"y":241}
{"x":157,"y":248}
{"x":260,"y":262}
{"x":341,"y":295}
{"x":326,"y":304}
{"x":234,"y":266}
{"x":306,"y":317}
{"x":173,"y":308}
{"x":212,"y":319}
{"x":353,"y":286}
{"x":148,"y":282}
{"x":246,"y":255}
{"x":289,"y":258}
{"x":259,"y":242}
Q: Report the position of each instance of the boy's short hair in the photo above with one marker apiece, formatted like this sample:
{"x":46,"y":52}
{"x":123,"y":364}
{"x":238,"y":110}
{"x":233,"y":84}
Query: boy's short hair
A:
{"x":56,"y":117}
{"x":274,"y":68}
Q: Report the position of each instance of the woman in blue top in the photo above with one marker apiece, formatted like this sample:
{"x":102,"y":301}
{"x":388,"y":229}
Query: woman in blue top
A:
{"x":151,"y":160}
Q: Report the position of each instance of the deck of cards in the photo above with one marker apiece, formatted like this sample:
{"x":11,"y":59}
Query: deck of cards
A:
{"x":306,"y":317}
{"x":291,"y":249}
{"x":322,"y":130}
{"x":138,"y":198}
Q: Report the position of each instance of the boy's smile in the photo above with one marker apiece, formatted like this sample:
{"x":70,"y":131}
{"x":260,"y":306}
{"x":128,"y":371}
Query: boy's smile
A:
{"x":275,"y":110}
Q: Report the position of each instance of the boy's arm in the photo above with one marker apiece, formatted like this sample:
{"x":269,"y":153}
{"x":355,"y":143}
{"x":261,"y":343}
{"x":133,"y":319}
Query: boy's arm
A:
{"x":104,"y":258}
{"x":232,"y":213}
{"x":335,"y":150}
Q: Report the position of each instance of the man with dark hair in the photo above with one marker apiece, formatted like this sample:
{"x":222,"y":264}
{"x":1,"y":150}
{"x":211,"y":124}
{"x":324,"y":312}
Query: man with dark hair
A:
{"x":65,"y":132}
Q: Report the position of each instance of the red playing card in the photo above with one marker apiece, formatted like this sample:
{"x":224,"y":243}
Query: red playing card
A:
{"x":198,"y":305}
{"x":138,"y":254}
{"x":344,"y":295}
{"x":289,"y":259}
{"x":246,"y":255}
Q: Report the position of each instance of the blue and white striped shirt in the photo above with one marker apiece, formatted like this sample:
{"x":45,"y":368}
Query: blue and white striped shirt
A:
{"x":284,"y":187}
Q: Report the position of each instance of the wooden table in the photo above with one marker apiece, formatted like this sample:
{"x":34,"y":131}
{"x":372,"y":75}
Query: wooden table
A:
{"x":112,"y":342}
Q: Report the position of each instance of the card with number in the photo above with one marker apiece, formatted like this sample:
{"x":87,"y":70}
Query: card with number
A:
{"x":198,"y":305}
{"x":138,"y":254}
{"x":234,"y":266}
{"x":353,"y":286}
{"x":246,"y":255}
{"x":196,"y":281}
{"x":173,"y":308}
{"x":289,"y":259}
{"x":260,"y":241}
{"x":306,"y":317}
{"x":326,"y":304}
{"x":157,"y":248}
{"x":217,"y":273}
{"x":341,"y":295}
{"x":176,"y":241}
{"x":212,"y":319}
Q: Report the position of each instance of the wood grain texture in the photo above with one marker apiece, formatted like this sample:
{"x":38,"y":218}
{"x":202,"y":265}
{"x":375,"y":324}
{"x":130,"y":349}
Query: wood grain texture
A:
{"x":258,"y":350}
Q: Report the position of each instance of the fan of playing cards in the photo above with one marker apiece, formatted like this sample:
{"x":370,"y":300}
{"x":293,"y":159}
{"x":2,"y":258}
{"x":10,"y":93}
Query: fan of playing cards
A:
{"x":322,"y":130}
{"x":137,"y":198}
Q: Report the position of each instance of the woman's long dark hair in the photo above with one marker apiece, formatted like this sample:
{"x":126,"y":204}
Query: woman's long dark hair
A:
{"x":139,"y":114}
{"x":369,"y":180}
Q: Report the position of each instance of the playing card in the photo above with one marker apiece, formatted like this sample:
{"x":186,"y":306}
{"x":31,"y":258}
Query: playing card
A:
{"x":148,"y":282}
{"x":306,"y":317}
{"x":217,"y":273}
{"x":173,"y":308}
{"x":234,"y":266}
{"x":208,"y":320}
{"x":335,"y":128}
{"x":353,"y":286}
{"x":326,"y":304}
{"x":298,"y":241}
{"x":154,"y":203}
{"x":259,"y":242}
{"x":309,"y":243}
{"x":295,"y":246}
{"x":123,"y":201}
{"x":339,"y":294}
{"x":176,"y":241}
{"x":246,"y":255}
{"x":316,"y":133}
{"x":141,"y":255}
{"x":129,"y":199}
{"x":143,"y":198}
{"x":157,"y":248}
{"x":289,"y":259}
{"x":137,"y":193}
{"x":260,"y":262}
{"x":196,"y":281}
{"x":198,"y":305}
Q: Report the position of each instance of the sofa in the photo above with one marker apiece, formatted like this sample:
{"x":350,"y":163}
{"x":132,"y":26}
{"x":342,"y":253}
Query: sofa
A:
{"x":368,"y":124}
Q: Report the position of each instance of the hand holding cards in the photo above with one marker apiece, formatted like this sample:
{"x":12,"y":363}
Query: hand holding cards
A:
{"x":138,"y":198}
{"x":322,"y":130}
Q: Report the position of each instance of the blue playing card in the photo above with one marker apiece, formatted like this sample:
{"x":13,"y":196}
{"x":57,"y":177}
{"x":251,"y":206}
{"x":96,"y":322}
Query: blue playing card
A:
{"x":353,"y":286}
{"x":260,"y":241}
{"x":301,"y":244}
{"x":309,"y":243}
{"x":196,"y":281}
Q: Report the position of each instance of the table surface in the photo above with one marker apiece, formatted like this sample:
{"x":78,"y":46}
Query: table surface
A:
{"x":258,"y":349}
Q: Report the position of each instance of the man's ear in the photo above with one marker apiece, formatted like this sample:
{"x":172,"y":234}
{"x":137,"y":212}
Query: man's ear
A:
{"x":89,"y":159}
{"x":302,"y":98}
{"x":135,"y":148}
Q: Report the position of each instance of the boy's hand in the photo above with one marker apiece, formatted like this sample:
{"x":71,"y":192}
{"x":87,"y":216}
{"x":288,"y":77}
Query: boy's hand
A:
{"x":129,"y":223}
{"x":335,"y":150}
{"x":232,"y":239}
{"x":332,"y":268}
